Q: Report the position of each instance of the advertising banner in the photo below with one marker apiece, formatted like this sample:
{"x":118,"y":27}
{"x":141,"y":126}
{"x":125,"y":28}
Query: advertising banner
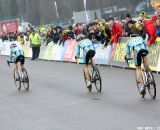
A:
{"x":102,"y":55}
{"x":158,"y":66}
{"x":119,"y":54}
{"x":58,"y":52}
{"x":8,"y":27}
{"x":49,"y":51}
{"x":70,"y":49}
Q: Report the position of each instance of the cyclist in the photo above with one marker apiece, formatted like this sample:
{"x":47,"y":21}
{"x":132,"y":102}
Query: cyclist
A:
{"x":16,"y":55}
{"x":88,"y":49}
{"x":138,"y":47}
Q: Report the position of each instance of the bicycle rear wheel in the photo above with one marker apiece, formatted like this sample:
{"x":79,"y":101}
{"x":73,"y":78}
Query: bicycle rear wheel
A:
{"x":25,"y":80}
{"x":97,"y":79}
{"x":17,"y":81}
{"x":151,"y":85}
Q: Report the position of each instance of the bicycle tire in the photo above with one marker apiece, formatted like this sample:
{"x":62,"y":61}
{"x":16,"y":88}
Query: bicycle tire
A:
{"x":151,"y":83}
{"x":85,"y":79}
{"x":25,"y":81}
{"x":17,"y":82}
{"x":98,"y":78}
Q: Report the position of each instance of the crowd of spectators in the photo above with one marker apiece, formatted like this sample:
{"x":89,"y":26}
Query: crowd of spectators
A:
{"x":105,"y":31}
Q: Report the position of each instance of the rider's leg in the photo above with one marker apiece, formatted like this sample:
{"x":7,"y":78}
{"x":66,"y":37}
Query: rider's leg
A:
{"x":93,"y":63}
{"x":139,"y":76}
{"x":86,"y":71}
{"x":15,"y":67}
{"x":145,"y":60}
{"x":16,"y":70}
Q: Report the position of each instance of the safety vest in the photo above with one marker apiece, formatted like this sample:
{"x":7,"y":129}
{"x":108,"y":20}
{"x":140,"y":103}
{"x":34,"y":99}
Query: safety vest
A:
{"x":21,"y":40}
{"x":35,"y":39}
{"x":42,"y":30}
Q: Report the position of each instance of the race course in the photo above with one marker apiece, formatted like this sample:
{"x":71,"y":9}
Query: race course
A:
{"x":58,"y":100}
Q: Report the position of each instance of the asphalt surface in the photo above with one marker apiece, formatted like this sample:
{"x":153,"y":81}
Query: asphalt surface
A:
{"x":58,"y":100}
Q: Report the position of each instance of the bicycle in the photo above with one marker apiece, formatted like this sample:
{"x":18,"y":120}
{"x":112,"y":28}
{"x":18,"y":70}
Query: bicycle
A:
{"x":149,"y":82}
{"x":22,"y":80}
{"x":95,"y":77}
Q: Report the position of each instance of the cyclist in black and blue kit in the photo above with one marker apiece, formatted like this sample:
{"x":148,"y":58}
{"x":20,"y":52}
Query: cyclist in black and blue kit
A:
{"x":138,"y":46}
{"x":16,"y":55}
{"x":88,"y":49}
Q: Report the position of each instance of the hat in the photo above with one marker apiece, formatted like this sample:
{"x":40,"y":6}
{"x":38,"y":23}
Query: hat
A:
{"x":128,"y":16}
{"x":110,"y":18}
{"x":131,"y":22}
{"x":154,"y":18}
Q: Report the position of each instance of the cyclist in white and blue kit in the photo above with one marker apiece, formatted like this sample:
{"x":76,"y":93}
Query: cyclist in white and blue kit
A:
{"x":138,"y":46}
{"x":16,"y":55}
{"x":88,"y":49}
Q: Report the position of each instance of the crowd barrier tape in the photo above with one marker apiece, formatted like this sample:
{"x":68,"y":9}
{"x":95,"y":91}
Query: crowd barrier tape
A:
{"x":110,"y":55}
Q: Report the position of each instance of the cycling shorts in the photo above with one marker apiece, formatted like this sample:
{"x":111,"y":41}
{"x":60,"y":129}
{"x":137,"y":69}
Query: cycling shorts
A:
{"x":90,"y":54}
{"x":138,"y":59}
{"x":20,"y":59}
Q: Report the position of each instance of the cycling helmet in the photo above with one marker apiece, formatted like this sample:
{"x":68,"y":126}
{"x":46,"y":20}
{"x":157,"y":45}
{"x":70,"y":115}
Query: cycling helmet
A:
{"x":80,"y":37}
{"x":13,"y":45}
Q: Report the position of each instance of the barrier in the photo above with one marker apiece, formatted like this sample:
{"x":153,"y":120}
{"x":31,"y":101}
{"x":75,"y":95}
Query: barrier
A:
{"x":5,"y":47}
{"x":153,"y":57}
{"x":111,"y":55}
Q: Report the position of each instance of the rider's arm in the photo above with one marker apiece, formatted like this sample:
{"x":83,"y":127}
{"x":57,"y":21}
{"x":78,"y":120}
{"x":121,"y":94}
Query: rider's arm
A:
{"x":77,"y":51}
{"x":128,"y":52}
{"x":10,"y":56}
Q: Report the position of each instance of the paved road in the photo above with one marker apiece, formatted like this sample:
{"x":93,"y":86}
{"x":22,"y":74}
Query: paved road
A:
{"x":58,"y":100}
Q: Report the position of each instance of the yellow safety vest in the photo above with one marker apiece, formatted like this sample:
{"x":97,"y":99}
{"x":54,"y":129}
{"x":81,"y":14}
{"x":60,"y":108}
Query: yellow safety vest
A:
{"x":35,"y":39}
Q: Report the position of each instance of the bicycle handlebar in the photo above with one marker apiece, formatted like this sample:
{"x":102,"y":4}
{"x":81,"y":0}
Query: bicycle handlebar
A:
{"x":128,"y":60}
{"x":8,"y":62}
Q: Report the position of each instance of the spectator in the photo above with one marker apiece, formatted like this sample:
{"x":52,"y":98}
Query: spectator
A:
{"x":126,"y":27}
{"x":48,"y":37}
{"x":35,"y":41}
{"x":116,"y":31}
{"x":54,"y":35}
{"x":78,"y":29}
{"x":105,"y":33}
{"x":96,"y":20}
{"x":151,"y":30}
{"x":158,"y":27}
{"x":70,"y":33}
{"x":20,"y":38}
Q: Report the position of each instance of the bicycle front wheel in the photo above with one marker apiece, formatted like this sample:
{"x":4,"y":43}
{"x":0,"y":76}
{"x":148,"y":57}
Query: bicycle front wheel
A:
{"x":17,"y":80}
{"x":151,"y":85}
{"x":98,"y":81}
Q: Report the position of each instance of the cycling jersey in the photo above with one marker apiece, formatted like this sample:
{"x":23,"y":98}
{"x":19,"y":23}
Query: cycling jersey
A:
{"x":14,"y":53}
{"x":88,"y":49}
{"x":138,"y":45}
{"x":86,"y":45}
